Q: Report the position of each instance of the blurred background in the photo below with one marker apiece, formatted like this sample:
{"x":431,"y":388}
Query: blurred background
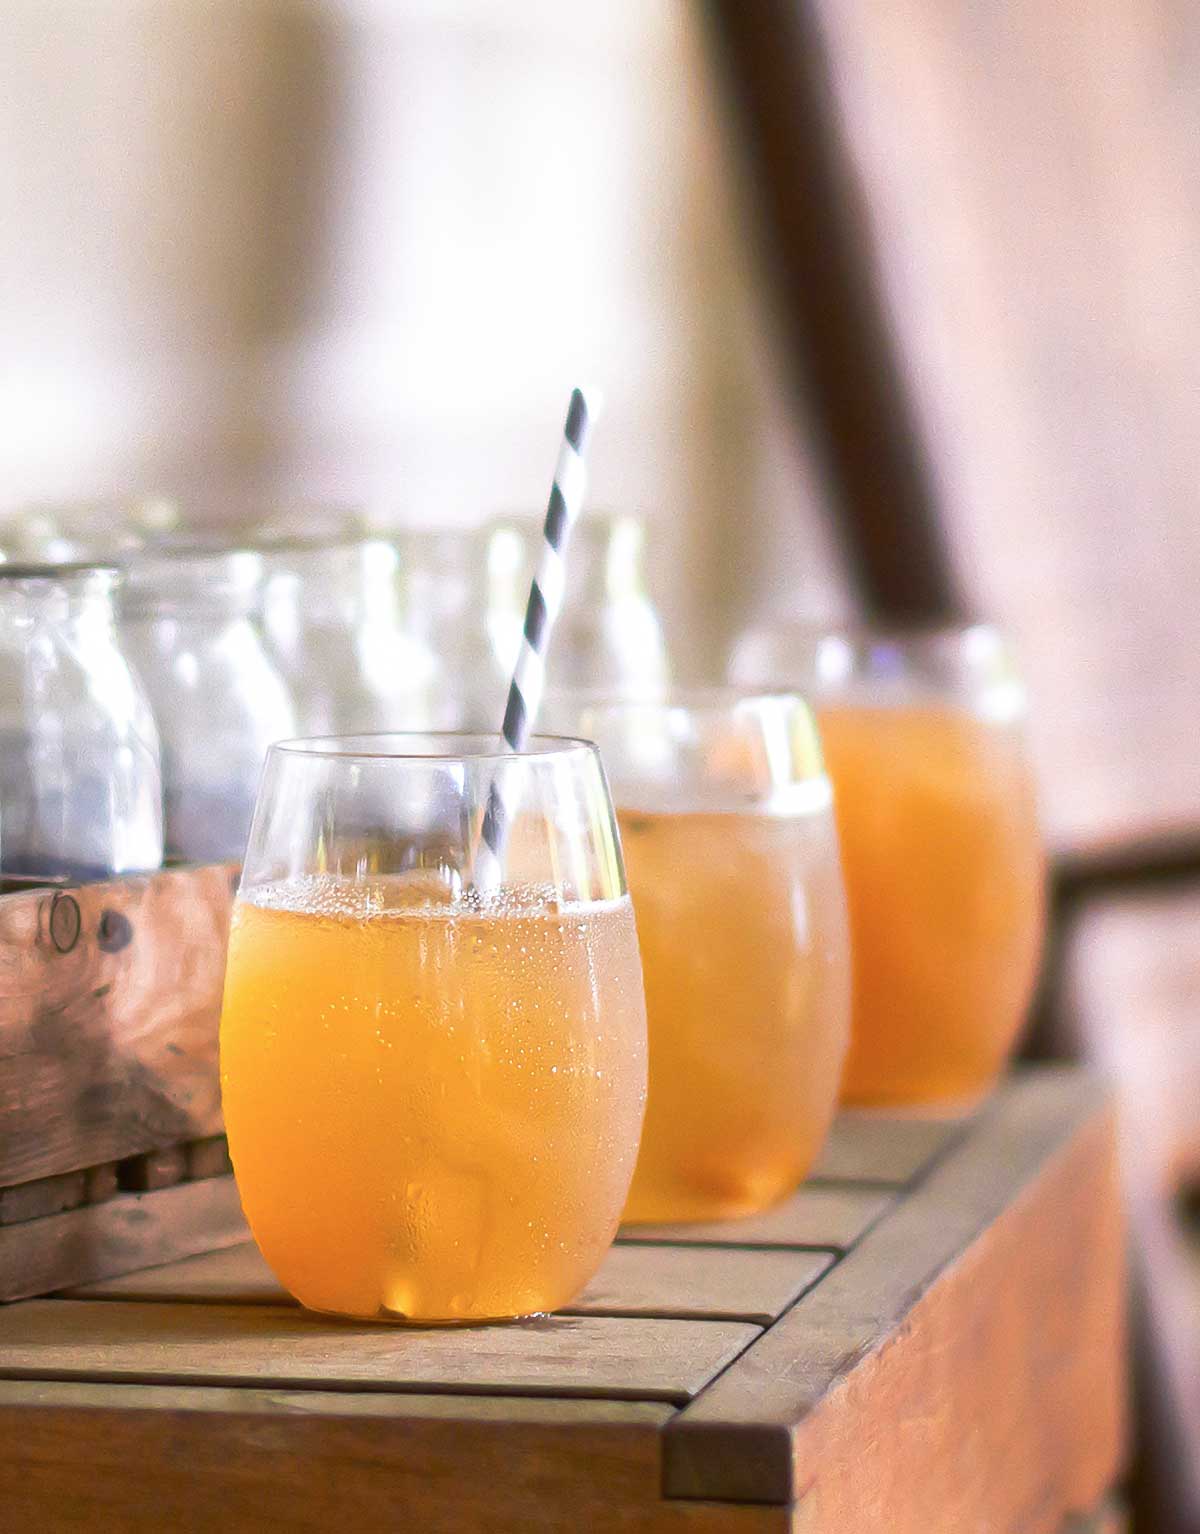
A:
{"x":894,"y":309}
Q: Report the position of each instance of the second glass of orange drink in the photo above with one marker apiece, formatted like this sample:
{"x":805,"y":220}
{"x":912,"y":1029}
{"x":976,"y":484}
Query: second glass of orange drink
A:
{"x":924,"y":734}
{"x":726,"y":820}
{"x":433,"y":1091}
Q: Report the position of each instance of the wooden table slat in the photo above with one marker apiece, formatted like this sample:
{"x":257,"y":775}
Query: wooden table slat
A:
{"x":700,"y":1283}
{"x":958,"y":1365}
{"x":830,"y":1219}
{"x":623,"y":1358}
{"x":865,"y":1146}
{"x":86,"y":1244}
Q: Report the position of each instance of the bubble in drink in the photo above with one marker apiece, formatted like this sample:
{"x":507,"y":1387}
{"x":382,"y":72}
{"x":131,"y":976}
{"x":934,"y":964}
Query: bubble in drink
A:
{"x":742,"y":928}
{"x":432,"y":1100}
{"x":944,"y":876}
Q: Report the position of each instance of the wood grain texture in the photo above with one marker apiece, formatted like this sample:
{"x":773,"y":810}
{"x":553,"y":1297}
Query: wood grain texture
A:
{"x":127,"y":1231}
{"x":623,"y":1359}
{"x":958,"y":1368}
{"x":829,"y":1218}
{"x":48,"y":1195}
{"x":962,"y":1367}
{"x":873,"y":1147}
{"x":144,"y":1459}
{"x":1131,"y":986}
{"x":110,"y":1049}
{"x":634,"y":1280}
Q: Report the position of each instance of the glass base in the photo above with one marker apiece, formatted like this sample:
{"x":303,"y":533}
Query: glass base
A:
{"x":948,"y":1108}
{"x":417,"y":1323}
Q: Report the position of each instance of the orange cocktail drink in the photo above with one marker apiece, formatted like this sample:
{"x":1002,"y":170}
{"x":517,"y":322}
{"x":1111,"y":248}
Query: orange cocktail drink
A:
{"x":433,"y":1094}
{"x":944,"y":874}
{"x":731,"y":856}
{"x":924,"y":737}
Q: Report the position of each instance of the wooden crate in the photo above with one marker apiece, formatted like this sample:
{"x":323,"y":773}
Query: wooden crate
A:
{"x":926,"y":1338}
{"x":111,"y":1154}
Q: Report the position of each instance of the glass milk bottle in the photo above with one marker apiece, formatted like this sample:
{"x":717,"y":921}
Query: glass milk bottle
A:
{"x":609,"y":633}
{"x":443,"y":573}
{"x":80,"y":780}
{"x":335,"y":615}
{"x":187,"y":622}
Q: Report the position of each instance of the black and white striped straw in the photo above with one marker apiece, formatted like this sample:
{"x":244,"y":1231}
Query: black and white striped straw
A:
{"x":545,"y":602}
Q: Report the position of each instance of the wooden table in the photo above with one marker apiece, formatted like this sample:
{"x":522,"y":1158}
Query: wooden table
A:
{"x":927,"y":1337}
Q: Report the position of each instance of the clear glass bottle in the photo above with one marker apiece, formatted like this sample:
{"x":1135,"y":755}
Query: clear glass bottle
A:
{"x":97,"y":531}
{"x":609,"y":633}
{"x":80,"y":779}
{"x":336,"y":619}
{"x":444,"y":575}
{"x":187,"y":623}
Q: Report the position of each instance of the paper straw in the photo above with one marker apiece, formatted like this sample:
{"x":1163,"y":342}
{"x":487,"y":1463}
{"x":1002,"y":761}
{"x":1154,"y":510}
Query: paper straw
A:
{"x":545,"y":602}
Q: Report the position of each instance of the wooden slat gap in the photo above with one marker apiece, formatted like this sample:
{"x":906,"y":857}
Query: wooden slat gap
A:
{"x":666,"y":1313}
{"x":707,"y":1243}
{"x":650,"y":1394}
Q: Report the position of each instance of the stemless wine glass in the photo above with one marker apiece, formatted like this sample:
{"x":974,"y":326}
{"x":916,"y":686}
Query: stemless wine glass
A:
{"x":433,"y":1091}
{"x":726,"y":821}
{"x":924,"y":736}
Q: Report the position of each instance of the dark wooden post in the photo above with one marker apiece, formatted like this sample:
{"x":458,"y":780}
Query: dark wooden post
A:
{"x":815,"y":245}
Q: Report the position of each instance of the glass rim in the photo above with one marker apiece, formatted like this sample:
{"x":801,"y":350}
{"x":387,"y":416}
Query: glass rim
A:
{"x":268,"y":545}
{"x":472,"y":746}
{"x":49,"y":570}
{"x":891,"y":631}
{"x":194,"y":548}
{"x":688,"y":697}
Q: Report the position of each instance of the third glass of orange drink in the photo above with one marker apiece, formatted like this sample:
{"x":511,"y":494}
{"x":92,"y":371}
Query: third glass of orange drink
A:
{"x":924,"y":736}
{"x":433,"y":1091}
{"x":726,"y":823}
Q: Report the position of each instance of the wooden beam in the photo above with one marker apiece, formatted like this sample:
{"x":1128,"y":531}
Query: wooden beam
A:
{"x":815,"y":242}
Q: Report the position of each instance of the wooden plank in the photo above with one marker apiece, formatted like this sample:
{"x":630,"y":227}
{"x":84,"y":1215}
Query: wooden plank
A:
{"x":845,"y":373}
{"x":1131,"y":975}
{"x":78,"y":1457}
{"x":626,"y":1359}
{"x":878,"y":1148}
{"x":962,"y":1367}
{"x":128,"y":1231}
{"x":48,"y":1195}
{"x":752,"y":1286}
{"x":109,"y":1049}
{"x":635,"y":1280}
{"x":829,"y":1218}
